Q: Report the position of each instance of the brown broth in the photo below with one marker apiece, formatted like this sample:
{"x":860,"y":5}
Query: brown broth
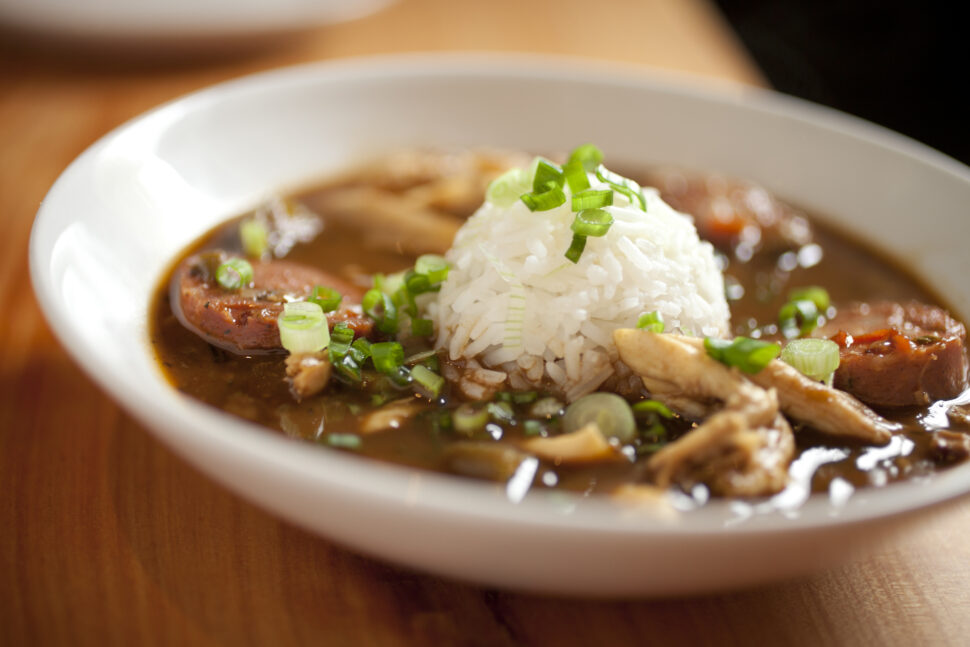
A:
{"x":253,"y":387}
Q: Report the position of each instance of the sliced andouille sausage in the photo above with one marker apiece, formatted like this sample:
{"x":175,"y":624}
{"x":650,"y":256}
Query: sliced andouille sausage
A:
{"x":894,"y":354}
{"x":732,"y":214}
{"x":244,"y":321}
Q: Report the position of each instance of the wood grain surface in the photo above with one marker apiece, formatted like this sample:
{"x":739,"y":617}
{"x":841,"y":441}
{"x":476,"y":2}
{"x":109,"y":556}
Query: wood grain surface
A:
{"x":106,"y":538}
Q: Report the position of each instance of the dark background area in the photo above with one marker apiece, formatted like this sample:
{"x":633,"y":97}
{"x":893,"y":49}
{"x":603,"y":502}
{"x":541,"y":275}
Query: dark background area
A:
{"x":902,"y":65}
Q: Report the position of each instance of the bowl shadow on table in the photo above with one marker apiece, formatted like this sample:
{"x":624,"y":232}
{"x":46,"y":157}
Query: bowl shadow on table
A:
{"x":189,"y":530}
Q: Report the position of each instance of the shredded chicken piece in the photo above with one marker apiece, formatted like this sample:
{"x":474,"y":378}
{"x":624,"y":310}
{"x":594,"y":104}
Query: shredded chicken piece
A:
{"x":391,"y":416}
{"x":307,"y":373}
{"x":821,"y":407}
{"x":736,"y":452}
{"x":676,"y":366}
{"x":586,"y":445}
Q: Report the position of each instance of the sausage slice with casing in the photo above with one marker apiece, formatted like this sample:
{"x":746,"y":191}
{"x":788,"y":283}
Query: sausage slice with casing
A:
{"x":243,"y":321}
{"x":895,"y":354}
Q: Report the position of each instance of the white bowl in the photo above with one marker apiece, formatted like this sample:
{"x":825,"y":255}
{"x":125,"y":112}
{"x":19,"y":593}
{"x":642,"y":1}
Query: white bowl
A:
{"x":122,"y":211}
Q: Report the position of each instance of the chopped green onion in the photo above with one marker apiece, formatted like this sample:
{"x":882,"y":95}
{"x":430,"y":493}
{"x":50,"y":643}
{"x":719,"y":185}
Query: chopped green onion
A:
{"x":433,"y":266}
{"x":400,"y":377}
{"x":814,"y":358}
{"x":547,"y":407}
{"x":748,"y":355}
{"x":545,"y":200}
{"x":575,"y":176}
{"x":653,"y":407}
{"x":592,"y":222}
{"x":428,"y":379}
{"x":815,"y":294}
{"x":576,"y":248}
{"x":546,"y":176}
{"x":609,"y":412}
{"x":469,"y":418}
{"x":388,"y":356}
{"x":379,"y":307}
{"x":798,"y":318}
{"x":504,"y":191}
{"x":303,"y":327}
{"x":623,"y":185}
{"x":532,"y":427}
{"x":524,"y":397}
{"x":652,"y":321}
{"x":501,"y":411}
{"x":592,"y":199}
{"x":404,"y":299}
{"x":422,"y":327}
{"x":416,"y":283}
{"x":389,"y":284}
{"x":587,"y":155}
{"x":254,"y":237}
{"x":344,"y":441}
{"x":234,"y":274}
{"x":341,"y":338}
{"x":360,"y":350}
{"x":347,"y":367}
{"x":325,"y":297}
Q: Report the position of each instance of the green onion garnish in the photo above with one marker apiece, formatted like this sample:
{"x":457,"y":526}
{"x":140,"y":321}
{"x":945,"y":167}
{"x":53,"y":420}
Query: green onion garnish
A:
{"x":380,"y":307}
{"x":623,"y":185}
{"x":576,"y":248}
{"x":814,"y":358}
{"x":428,"y":379}
{"x":501,"y":412}
{"x":592,"y":222}
{"x":587,"y":155}
{"x":360,"y":350}
{"x":532,"y":427}
{"x":388,"y":356}
{"x":341,"y":338}
{"x":416,"y":283}
{"x":798,"y":318}
{"x":818,"y":296}
{"x":347,"y":367}
{"x":652,"y":321}
{"x":546,"y":176}
{"x":748,"y":355}
{"x":325,"y":297}
{"x":433,"y":266}
{"x":344,"y":441}
{"x":422,"y":327}
{"x":505,"y":190}
{"x":609,"y":412}
{"x":303,"y":327}
{"x":575,"y":176}
{"x":544,"y":201}
{"x":254,"y":237}
{"x":390,"y":283}
{"x":592,"y":199}
{"x":468,"y":418}
{"x":234,"y":274}
{"x":653,"y":407}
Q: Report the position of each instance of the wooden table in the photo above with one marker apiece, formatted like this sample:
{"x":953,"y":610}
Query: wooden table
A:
{"x":108,"y":538}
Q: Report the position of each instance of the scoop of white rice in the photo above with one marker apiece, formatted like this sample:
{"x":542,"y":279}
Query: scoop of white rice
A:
{"x":513,"y":302}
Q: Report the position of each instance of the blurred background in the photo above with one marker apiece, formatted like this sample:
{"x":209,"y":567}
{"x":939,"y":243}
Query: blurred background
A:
{"x":900,"y":64}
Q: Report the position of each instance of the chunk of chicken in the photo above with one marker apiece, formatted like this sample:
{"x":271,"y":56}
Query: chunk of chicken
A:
{"x":307,"y":373}
{"x":742,"y":450}
{"x":680,"y":367}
